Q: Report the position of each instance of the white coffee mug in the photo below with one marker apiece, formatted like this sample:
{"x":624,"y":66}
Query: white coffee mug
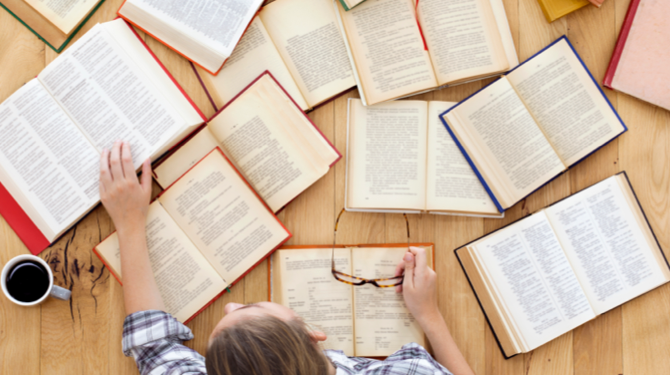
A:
{"x":53,"y":290}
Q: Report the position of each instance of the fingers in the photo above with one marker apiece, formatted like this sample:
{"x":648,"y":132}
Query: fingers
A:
{"x":420,"y":259}
{"x":127,"y":162}
{"x":146,"y":176}
{"x":408,"y":282}
{"x":115,"y":161}
{"x":105,"y":173}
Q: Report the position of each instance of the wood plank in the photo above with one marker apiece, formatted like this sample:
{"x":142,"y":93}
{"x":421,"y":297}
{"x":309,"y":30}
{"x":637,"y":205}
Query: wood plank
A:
{"x":21,"y":58}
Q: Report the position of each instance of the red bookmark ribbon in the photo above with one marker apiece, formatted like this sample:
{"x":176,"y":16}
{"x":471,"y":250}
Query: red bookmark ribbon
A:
{"x":423,"y":38}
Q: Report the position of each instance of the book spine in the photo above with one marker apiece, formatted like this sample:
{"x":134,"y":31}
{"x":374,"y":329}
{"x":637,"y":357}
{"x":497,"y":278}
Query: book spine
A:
{"x":620,"y":44}
{"x":21,"y":223}
{"x":344,"y":5}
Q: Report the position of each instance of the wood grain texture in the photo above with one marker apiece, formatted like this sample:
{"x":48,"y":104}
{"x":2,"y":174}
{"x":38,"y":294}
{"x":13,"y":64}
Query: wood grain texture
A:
{"x":84,"y":336}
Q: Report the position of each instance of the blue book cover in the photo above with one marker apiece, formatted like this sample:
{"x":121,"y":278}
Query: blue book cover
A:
{"x":469,"y":157}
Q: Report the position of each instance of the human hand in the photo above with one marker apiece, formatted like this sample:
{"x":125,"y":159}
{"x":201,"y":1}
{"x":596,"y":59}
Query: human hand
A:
{"x":419,"y":287}
{"x":125,"y":198}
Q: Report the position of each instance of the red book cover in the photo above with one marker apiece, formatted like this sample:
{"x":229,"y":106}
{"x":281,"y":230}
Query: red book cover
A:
{"x":620,"y":43}
{"x":19,"y":220}
{"x":288,"y":234}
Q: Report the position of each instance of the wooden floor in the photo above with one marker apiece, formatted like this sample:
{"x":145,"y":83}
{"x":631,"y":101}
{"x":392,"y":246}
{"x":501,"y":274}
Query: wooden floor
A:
{"x":84,"y":335}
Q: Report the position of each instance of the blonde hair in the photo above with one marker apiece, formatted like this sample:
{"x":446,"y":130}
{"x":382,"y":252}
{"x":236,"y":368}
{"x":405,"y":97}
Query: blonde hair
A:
{"x":263,"y":346}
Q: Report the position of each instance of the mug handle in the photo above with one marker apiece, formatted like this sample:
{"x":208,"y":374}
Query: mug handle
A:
{"x":60,"y":293}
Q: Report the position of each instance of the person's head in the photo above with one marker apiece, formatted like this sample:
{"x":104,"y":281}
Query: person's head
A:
{"x":264,"y":338}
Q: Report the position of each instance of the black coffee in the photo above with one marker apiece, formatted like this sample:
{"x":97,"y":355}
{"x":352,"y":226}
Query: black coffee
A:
{"x":27,"y":281}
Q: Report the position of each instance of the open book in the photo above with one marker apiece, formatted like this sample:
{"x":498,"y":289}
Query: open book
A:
{"x":269,"y":139}
{"x":348,"y":4}
{"x":44,"y":23}
{"x":391,"y":58}
{"x":400,"y":158}
{"x":524,"y":129}
{"x":558,"y":268}
{"x":66,"y":15}
{"x":362,"y":321}
{"x":299,"y":42}
{"x":203,"y":31}
{"x":204,"y":233}
{"x":106,"y":87}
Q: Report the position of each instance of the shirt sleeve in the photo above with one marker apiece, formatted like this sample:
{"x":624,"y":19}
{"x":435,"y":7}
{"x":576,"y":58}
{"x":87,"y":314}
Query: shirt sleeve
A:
{"x":154,"y":338}
{"x":414,"y":359}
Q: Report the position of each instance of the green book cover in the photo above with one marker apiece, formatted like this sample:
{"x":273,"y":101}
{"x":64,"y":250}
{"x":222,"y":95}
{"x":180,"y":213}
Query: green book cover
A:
{"x":344,"y":5}
{"x":60,"y":48}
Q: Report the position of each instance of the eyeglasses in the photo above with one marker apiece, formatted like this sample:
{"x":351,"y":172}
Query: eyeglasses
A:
{"x":357,"y":281}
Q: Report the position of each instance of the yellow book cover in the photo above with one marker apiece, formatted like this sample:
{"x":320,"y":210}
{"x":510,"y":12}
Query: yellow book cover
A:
{"x":555,"y":9}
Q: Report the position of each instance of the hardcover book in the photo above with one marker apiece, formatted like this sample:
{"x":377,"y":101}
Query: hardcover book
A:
{"x":400,"y":158}
{"x":348,"y":4}
{"x":299,"y":42}
{"x":560,"y":267}
{"x":106,"y":87}
{"x":269,"y":139}
{"x":43,"y":19}
{"x":362,"y":321}
{"x":204,"y":233}
{"x":555,"y":9}
{"x":205,"y":32}
{"x":639,"y":65}
{"x":398,"y":49}
{"x":523,"y":130}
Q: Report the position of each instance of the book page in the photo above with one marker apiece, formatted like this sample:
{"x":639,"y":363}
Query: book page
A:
{"x":204,"y":30}
{"x":535,"y":281}
{"x":185,"y":280}
{"x":386,"y":155}
{"x":222,"y":216}
{"x":568,"y":106}
{"x":309,"y":288}
{"x":108,"y":97}
{"x":451,"y":184}
{"x":253,"y":55}
{"x":505,"y":143}
{"x":47,"y":165}
{"x":172,"y":167}
{"x":463,"y":38}
{"x":606,"y":246}
{"x":273,"y":143}
{"x":382,"y":322}
{"x":308,"y":39}
{"x":64,"y":14}
{"x":387,"y":49}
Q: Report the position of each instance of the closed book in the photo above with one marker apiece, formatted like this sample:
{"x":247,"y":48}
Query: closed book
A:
{"x":555,"y":9}
{"x":639,"y":64}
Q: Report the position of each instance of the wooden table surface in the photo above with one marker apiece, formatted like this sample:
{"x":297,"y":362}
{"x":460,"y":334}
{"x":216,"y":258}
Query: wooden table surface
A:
{"x":83,"y":336}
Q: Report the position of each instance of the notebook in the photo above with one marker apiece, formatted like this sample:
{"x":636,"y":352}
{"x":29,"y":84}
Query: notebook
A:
{"x":639,"y":66}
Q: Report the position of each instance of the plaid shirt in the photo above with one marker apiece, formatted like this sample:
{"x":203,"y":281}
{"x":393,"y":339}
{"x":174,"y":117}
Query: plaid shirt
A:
{"x":154,"y":338}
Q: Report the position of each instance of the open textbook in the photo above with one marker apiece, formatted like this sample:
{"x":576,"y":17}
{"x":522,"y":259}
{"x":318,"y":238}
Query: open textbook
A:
{"x":524,"y":129}
{"x":400,"y":158}
{"x":562,"y":266}
{"x":44,"y":26}
{"x":204,"y":233}
{"x":269,"y":139}
{"x":362,"y":321}
{"x":66,"y":15}
{"x":203,"y":31}
{"x":392,"y":58}
{"x":299,"y":42}
{"x":105,"y":87}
